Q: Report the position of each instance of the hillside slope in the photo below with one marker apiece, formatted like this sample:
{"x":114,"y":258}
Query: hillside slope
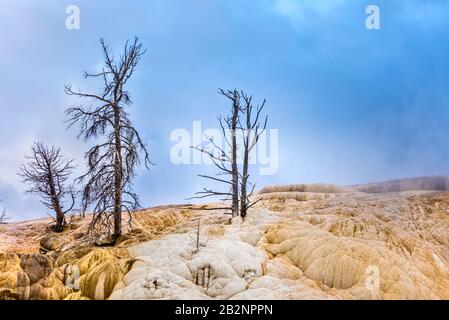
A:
{"x":439,"y":183}
{"x":304,"y":242}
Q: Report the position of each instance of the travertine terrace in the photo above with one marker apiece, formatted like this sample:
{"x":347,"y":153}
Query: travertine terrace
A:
{"x":299,"y":242}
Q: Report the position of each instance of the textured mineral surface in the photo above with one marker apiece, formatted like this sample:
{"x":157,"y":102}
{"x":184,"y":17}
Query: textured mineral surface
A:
{"x":298,"y":242}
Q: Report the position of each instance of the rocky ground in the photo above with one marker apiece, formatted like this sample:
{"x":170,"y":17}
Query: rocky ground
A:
{"x":299,"y":242}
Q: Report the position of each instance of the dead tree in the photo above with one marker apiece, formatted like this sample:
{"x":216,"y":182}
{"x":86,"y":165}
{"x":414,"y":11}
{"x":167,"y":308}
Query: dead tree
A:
{"x":252,"y":129}
{"x":247,"y":119}
{"x":111,"y":164}
{"x":225,"y":160}
{"x":47,"y":172}
{"x":3,"y":215}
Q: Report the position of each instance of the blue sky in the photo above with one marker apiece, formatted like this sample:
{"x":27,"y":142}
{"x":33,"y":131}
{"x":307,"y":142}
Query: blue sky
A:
{"x":352,"y":105}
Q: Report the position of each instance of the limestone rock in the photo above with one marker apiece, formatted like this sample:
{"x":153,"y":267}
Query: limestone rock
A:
{"x":36,"y":266}
{"x":101,"y":280}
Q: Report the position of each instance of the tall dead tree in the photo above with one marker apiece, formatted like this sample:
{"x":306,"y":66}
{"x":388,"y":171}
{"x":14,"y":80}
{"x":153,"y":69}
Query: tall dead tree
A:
{"x":244,"y":118}
{"x":111,"y":164}
{"x":47,"y":172}
{"x":225,"y":160}
{"x":252,"y":129}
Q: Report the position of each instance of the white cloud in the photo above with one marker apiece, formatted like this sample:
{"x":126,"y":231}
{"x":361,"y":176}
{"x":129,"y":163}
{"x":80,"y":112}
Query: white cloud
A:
{"x":12,"y":154}
{"x":297,"y":11}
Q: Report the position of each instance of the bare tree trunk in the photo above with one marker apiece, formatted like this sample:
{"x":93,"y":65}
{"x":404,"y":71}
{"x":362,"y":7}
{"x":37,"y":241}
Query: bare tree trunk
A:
{"x":244,"y":196}
{"x":117,"y":178}
{"x":56,"y":206}
{"x":55,"y":201}
{"x":252,"y":130}
{"x":246,"y":145}
{"x":235,"y":173}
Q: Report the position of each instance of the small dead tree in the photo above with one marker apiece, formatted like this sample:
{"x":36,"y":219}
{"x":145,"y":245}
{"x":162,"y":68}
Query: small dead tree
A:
{"x":225,"y":160}
{"x":111,"y":164}
{"x":3,"y":215}
{"x":252,"y":129}
{"x":47,"y":172}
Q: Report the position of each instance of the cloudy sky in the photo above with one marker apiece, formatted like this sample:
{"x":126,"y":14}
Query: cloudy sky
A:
{"x":352,"y":105}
